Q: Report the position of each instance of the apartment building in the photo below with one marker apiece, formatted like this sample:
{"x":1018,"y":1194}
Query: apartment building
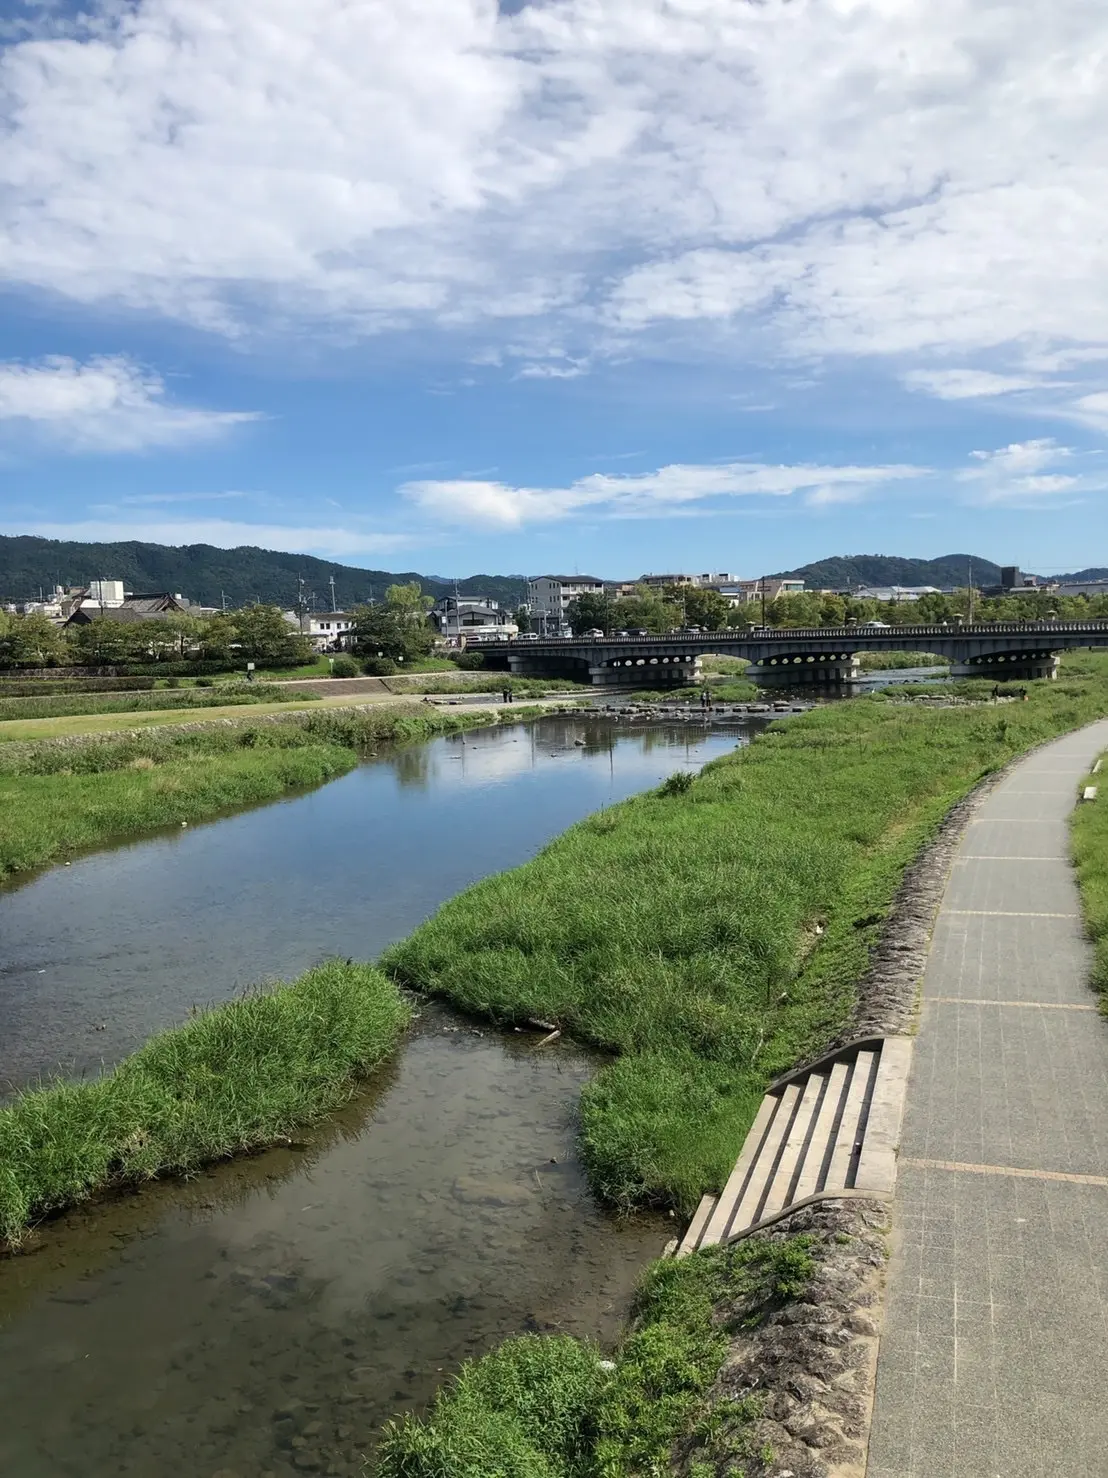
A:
{"x":550,"y":596}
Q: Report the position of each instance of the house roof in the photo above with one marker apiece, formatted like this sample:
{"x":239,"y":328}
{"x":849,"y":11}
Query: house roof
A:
{"x":570,"y":579}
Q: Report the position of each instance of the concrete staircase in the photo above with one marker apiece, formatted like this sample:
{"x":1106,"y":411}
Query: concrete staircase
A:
{"x":830,"y":1129}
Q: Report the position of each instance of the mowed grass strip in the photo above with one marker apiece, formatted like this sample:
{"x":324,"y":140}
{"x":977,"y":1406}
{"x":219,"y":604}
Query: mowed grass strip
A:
{"x":1089,"y":844}
{"x":234,"y":1078}
{"x":56,"y":800}
{"x":64,"y":705}
{"x":714,"y":935}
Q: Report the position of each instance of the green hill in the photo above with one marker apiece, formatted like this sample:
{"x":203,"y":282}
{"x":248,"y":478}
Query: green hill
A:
{"x":209,"y":575}
{"x":847,"y":571}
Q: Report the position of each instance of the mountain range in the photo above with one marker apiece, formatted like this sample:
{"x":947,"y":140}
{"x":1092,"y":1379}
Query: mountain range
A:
{"x":210,"y":576}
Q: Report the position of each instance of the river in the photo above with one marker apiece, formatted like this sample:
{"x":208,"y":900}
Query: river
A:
{"x":268,"y":1316}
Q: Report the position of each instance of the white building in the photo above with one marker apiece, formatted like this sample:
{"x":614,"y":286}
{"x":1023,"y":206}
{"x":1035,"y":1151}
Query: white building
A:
{"x":747,"y":591}
{"x":898,"y":594}
{"x":327,"y":630}
{"x":550,"y":597}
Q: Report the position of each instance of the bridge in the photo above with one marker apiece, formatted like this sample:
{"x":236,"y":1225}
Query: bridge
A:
{"x":998,"y":651}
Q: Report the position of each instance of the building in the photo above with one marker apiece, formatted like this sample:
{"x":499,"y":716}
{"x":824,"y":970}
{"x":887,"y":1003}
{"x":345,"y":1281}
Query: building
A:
{"x":659,"y":582}
{"x":457,"y":617}
{"x":328,"y":631}
{"x":897,"y":594}
{"x":1084,"y":587}
{"x":768,"y":587}
{"x":550,"y":597}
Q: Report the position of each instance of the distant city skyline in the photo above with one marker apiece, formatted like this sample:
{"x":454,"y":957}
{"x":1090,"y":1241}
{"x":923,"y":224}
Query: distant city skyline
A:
{"x":538,"y":286}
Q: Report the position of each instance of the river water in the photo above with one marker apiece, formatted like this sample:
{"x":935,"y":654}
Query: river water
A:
{"x":267,"y":1317}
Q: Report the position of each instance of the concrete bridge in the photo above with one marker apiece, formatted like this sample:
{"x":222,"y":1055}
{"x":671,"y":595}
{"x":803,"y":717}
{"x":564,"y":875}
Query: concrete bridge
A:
{"x":999,"y":652}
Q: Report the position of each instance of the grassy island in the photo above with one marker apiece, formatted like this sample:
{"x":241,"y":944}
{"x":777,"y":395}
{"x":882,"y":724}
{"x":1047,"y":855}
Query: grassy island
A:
{"x":231,"y":1079}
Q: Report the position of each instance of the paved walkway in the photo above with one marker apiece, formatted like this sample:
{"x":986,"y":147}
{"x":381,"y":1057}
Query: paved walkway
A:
{"x":992,"y":1361}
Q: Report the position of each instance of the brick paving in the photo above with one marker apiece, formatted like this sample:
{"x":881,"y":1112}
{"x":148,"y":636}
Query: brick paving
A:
{"x":996,"y":1323}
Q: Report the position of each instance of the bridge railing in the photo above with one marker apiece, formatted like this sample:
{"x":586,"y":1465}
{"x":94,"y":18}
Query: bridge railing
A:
{"x":802,"y":633}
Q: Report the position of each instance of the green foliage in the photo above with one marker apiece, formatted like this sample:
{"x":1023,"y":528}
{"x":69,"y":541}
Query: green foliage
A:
{"x":677,"y":783}
{"x":704,"y":608}
{"x":894,"y":661}
{"x":1089,"y":841}
{"x":379,"y":667}
{"x":527,"y":1410}
{"x":344,"y":667}
{"x":398,"y":629}
{"x":29,"y":641}
{"x":591,"y":609}
{"x":231,"y":1079}
{"x":646,"y":610}
{"x":674,"y":930}
{"x":469,"y":661}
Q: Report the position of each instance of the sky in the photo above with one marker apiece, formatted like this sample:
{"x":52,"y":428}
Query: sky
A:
{"x":610,"y":286}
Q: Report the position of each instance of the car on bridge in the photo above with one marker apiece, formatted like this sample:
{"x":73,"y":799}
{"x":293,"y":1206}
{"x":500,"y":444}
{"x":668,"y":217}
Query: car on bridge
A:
{"x":594,"y":633}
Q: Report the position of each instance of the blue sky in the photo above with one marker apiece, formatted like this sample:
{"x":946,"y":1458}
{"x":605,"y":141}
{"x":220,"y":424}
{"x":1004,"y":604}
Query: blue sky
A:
{"x":653,"y":284}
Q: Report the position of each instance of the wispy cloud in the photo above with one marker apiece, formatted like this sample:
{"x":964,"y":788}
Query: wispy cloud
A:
{"x":1029,"y":474}
{"x":107,"y":404}
{"x":670,"y":491}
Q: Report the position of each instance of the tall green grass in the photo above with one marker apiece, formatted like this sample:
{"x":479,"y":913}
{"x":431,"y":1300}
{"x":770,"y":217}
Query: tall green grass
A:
{"x":232,"y":1079}
{"x":676,"y":930}
{"x":1089,"y":842}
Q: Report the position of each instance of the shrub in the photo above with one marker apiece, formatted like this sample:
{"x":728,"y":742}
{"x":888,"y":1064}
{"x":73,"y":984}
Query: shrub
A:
{"x":205,"y":682}
{"x":173,"y":682}
{"x":379,"y":667}
{"x":677,"y":783}
{"x":344,"y":667}
{"x":468,"y":661}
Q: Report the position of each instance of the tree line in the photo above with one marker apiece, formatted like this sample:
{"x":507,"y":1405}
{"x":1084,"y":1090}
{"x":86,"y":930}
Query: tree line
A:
{"x":675,"y":607}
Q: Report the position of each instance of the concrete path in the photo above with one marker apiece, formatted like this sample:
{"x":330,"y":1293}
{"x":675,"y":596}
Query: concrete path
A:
{"x":992,"y":1360}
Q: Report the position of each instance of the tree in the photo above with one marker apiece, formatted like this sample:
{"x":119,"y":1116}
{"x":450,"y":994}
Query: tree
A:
{"x":262,"y":634}
{"x":103,"y":642}
{"x":704,"y":608}
{"x":29,"y":641}
{"x":395,"y":630}
{"x":591,"y":610}
{"x":409,"y":601}
{"x":646,"y":610}
{"x":522,"y":619}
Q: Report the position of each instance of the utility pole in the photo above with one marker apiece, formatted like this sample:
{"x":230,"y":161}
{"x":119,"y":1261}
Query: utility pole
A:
{"x":763,"y":600}
{"x":969,"y":593}
{"x":334,"y":607}
{"x":223,"y":601}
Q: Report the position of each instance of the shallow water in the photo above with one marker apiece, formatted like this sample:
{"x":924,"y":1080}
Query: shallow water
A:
{"x":267,"y":1317}
{"x":97,"y":956}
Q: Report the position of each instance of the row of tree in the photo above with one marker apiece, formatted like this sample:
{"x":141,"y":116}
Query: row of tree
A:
{"x":675,"y":607}
{"x":397,"y":629}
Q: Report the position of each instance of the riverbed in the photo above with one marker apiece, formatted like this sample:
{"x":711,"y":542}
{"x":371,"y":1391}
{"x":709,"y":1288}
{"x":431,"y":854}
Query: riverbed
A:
{"x":267,"y":1317}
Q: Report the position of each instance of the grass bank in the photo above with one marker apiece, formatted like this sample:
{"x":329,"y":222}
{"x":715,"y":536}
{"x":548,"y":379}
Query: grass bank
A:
{"x":550,"y":1407}
{"x":58,"y":799}
{"x":62,"y":705}
{"x":235,"y":1078}
{"x":1089,"y":841}
{"x":711,"y":934}
{"x":896,"y":661}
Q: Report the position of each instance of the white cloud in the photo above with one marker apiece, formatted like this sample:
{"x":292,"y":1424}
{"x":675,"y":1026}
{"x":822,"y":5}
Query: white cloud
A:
{"x":911,"y":178}
{"x":108,"y":404}
{"x":968,"y":384}
{"x":668,"y":492}
{"x":333,"y":542}
{"x":1026,"y":474}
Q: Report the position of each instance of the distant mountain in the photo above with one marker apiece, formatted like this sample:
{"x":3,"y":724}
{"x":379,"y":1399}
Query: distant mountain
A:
{"x":208,"y":575}
{"x":847,"y":571}
{"x":1081,"y":577}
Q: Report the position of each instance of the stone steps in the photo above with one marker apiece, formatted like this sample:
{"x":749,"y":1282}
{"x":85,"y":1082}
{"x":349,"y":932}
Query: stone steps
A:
{"x":830,"y":1129}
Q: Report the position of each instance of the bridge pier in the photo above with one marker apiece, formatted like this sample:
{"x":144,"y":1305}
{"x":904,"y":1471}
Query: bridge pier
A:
{"x":1009,"y":667}
{"x":812,"y":669}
